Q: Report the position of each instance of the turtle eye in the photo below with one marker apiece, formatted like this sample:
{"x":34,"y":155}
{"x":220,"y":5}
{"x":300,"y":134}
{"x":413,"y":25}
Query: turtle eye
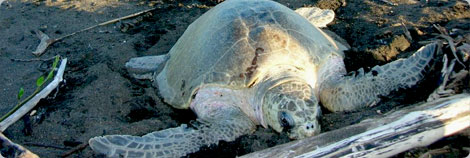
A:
{"x":286,"y":120}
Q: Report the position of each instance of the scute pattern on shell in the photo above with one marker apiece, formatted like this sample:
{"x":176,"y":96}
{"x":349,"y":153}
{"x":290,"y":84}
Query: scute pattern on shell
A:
{"x":236,"y":46}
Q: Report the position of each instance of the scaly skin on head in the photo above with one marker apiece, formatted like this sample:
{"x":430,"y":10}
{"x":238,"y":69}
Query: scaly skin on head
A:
{"x":292,"y":107}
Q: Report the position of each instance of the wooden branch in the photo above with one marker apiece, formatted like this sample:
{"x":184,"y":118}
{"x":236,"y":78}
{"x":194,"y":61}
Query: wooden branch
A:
{"x":33,"y":101}
{"x":398,"y":131}
{"x":13,"y":149}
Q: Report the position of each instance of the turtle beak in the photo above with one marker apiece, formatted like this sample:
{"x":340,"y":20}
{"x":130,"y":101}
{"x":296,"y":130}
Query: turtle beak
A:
{"x":305,"y":130}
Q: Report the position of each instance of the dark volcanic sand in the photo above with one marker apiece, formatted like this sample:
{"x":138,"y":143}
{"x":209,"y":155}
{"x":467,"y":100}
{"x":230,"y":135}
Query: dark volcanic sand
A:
{"x":99,"y":97}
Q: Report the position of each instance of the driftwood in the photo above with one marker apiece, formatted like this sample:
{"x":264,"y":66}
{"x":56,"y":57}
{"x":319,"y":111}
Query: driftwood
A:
{"x":33,"y":101}
{"x":11,"y":149}
{"x":392,"y":134}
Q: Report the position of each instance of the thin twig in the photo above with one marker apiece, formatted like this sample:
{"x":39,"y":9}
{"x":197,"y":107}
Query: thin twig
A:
{"x":34,"y":100}
{"x":34,"y":59}
{"x":441,"y":91}
{"x":45,"y":146}
{"x":46,"y":41}
{"x":76,"y":149}
{"x":56,"y":92}
{"x":452,"y":48}
{"x":441,"y":29}
{"x":444,"y":34}
{"x":407,"y":33}
{"x":108,"y":22}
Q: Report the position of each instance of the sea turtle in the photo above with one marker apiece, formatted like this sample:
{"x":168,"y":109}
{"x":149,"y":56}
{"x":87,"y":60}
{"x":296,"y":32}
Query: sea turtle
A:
{"x":256,"y":62}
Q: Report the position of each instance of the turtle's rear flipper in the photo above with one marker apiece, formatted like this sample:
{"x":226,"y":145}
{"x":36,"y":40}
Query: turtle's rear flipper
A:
{"x":175,"y":142}
{"x":364,"y":89}
{"x":318,"y":17}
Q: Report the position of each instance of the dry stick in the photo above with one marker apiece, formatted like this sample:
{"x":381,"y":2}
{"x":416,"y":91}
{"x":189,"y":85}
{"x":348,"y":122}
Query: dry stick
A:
{"x":78,"y":148}
{"x":46,"y":41}
{"x":452,"y":48}
{"x":407,"y":33}
{"x":108,"y":22}
{"x":441,"y":91}
{"x":31,"y":60}
{"x":441,"y":29}
{"x":33,"y":101}
{"x":444,"y":34}
{"x":45,"y":145}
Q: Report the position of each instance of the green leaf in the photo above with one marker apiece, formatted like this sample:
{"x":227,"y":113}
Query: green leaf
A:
{"x":40,"y":81}
{"x":20,"y":93}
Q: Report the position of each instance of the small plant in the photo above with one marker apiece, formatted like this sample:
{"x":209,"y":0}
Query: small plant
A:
{"x":39,"y":85}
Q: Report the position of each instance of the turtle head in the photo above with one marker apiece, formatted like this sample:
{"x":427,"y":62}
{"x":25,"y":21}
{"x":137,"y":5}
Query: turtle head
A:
{"x":292,"y":107}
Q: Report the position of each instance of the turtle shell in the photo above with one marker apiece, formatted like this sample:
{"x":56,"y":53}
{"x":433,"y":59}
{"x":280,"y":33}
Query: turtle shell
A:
{"x":238,"y":44}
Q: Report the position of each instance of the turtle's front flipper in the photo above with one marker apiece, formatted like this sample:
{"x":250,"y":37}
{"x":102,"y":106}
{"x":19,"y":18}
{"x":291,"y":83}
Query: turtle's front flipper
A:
{"x":144,"y":67}
{"x":346,"y":93}
{"x":176,"y":142}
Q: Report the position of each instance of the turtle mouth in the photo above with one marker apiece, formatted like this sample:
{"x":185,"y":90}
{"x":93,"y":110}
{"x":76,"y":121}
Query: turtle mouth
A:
{"x":304,"y":131}
{"x":293,"y":135}
{"x":287,"y":130}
